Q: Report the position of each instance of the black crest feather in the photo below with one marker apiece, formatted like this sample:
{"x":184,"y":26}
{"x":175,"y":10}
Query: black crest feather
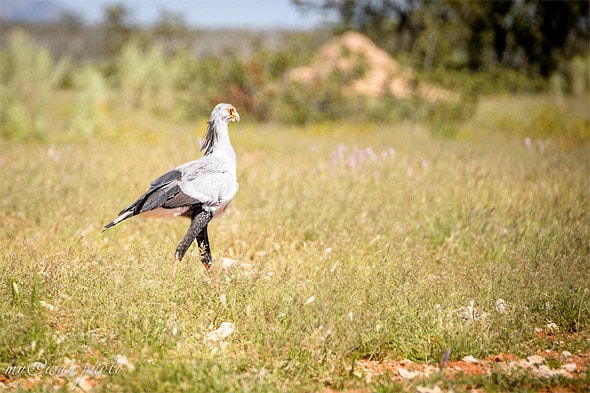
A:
{"x":210,"y":138}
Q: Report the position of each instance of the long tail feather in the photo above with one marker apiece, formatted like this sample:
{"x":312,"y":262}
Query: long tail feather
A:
{"x":124,"y":215}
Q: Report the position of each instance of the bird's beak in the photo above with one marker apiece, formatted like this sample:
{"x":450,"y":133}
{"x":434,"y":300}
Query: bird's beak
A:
{"x":234,"y":116}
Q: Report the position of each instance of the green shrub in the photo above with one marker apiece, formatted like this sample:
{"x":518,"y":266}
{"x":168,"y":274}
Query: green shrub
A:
{"x":579,"y":75}
{"x":493,"y":81}
{"x":573,"y":77}
{"x":91,"y":91}
{"x":27,"y":76}
{"x":552,"y":122}
{"x":147,"y":78}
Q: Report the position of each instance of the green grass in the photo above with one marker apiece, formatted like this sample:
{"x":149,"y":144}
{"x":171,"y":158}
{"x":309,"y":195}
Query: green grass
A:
{"x":350,"y":241}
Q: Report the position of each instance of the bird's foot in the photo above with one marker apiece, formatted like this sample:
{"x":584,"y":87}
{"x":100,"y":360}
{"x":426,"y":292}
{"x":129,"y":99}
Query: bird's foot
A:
{"x":211,"y":276}
{"x":176,"y":261}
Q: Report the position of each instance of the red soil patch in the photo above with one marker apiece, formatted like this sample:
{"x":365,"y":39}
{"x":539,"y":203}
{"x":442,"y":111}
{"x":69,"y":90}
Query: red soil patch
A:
{"x":407,"y":370}
{"x":501,"y":357}
{"x":466,"y":368}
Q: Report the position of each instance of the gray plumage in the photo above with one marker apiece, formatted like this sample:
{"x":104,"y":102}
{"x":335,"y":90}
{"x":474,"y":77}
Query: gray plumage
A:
{"x":200,"y":189}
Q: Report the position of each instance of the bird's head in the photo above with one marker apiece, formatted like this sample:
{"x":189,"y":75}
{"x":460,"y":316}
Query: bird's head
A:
{"x":226,"y":112}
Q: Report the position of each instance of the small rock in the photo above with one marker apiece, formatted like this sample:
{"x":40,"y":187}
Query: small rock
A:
{"x":535,"y":360}
{"x":552,"y":327}
{"x":224,"y":331}
{"x":429,"y":370}
{"x":407,"y":374}
{"x":48,"y":306}
{"x":545,"y":372}
{"x":569,"y":367}
{"x":470,"y":359}
{"x":566,"y":354}
{"x":226,"y":263}
{"x":215,"y":339}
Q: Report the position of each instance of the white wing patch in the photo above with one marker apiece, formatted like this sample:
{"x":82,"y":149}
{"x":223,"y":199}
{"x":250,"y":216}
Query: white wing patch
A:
{"x":210,"y":181}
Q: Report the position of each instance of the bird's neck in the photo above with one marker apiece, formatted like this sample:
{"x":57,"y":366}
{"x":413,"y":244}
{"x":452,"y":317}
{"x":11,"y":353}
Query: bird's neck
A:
{"x":222,"y":146}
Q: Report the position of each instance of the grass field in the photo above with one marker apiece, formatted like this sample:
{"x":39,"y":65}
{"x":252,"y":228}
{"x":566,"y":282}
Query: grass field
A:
{"x":345,"y":242}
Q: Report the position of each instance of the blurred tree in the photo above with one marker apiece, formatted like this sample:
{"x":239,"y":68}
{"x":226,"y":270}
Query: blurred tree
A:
{"x":170,"y":24}
{"x":550,"y":32}
{"x":480,"y":20}
{"x":392,"y":23}
{"x":118,"y":27}
{"x":171,"y":30}
{"x":71,"y":26}
{"x":525,"y":34}
{"x":72,"y":21}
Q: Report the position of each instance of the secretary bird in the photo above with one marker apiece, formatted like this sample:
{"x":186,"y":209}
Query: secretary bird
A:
{"x":200,"y":190}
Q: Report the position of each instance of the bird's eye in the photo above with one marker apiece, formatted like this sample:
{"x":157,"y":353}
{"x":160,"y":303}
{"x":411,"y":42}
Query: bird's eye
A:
{"x":231,"y":111}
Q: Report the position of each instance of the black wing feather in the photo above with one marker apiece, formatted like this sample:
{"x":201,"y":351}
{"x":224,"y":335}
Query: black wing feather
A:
{"x":162,"y":193}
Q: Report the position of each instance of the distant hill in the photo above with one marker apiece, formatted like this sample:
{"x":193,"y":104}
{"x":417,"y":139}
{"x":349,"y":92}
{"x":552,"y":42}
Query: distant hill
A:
{"x":30,"y":11}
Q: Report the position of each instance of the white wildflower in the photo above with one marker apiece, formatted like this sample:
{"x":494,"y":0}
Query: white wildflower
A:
{"x":501,"y":306}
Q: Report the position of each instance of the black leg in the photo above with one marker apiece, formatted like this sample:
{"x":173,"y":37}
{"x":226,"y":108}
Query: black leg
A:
{"x":205,"y":249}
{"x":199,"y":221}
{"x":203,"y":242}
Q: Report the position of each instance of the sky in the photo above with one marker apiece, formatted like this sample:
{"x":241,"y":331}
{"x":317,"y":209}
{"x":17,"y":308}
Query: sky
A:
{"x":255,"y":14}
